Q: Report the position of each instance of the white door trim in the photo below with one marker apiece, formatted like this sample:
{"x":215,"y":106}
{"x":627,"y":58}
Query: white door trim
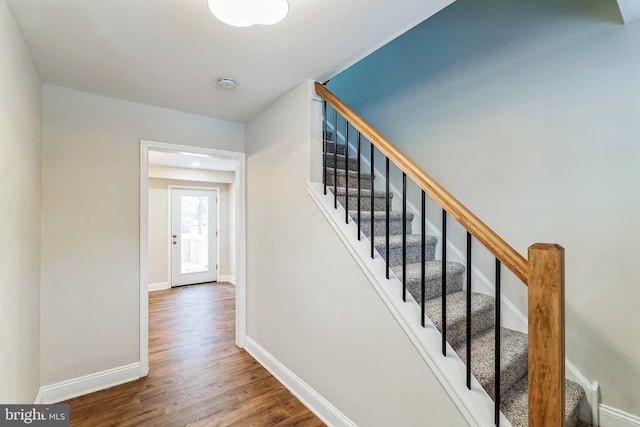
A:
{"x":188,"y":187}
{"x":240,"y":185}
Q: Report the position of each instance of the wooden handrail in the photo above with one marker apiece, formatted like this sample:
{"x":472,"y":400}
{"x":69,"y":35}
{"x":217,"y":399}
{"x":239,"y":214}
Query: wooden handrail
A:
{"x":485,"y":235}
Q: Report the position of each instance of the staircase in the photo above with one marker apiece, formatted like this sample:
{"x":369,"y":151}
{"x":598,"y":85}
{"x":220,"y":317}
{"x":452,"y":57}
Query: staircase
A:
{"x":513,"y":358}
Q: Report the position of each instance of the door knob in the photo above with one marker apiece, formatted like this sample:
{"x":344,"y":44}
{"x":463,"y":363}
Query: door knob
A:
{"x":175,"y":243}
{"x":174,"y":236}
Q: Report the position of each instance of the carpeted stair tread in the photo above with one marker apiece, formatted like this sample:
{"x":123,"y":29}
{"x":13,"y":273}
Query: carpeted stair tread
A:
{"x":433,"y":270}
{"x":379,"y":222}
{"x":341,"y":172}
{"x":382,"y":215}
{"x":329,"y":148}
{"x":413,"y":254}
{"x":395,"y":241}
{"x":353,"y":192}
{"x":433,"y":278}
{"x":482,"y":314}
{"x":515,"y":405}
{"x":513,"y":358}
{"x":379,"y":198}
{"x":353,"y":163}
{"x":365,"y":179}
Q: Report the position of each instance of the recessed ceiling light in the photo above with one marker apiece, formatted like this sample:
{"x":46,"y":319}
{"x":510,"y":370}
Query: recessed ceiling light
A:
{"x":227,"y":83}
{"x":195,"y":164}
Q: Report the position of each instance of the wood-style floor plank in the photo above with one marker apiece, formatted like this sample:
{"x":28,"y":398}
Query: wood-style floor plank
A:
{"x":198,"y":377}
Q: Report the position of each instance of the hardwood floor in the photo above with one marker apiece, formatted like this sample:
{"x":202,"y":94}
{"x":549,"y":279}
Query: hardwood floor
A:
{"x":198,"y":377}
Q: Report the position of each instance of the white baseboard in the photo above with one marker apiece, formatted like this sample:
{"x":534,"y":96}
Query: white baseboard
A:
{"x":307,"y":395}
{"x":612,"y":417}
{"x":38,"y":397}
{"x":87,"y":384}
{"x":227,"y":278}
{"x":159,"y":286}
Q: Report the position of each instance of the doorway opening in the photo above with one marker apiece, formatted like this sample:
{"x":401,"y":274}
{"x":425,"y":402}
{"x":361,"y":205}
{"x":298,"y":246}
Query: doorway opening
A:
{"x":192,"y":224}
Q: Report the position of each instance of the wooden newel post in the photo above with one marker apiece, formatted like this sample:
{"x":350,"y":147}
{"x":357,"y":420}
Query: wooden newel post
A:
{"x":546,"y":335}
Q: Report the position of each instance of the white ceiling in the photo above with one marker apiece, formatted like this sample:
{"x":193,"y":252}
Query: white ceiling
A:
{"x":191,"y":161}
{"x":170,"y":53}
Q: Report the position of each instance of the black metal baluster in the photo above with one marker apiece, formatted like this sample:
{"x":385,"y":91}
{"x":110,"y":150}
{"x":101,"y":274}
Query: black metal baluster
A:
{"x":387,"y":212}
{"x":404,"y":237}
{"x":371,"y":197}
{"x":359,"y":185}
{"x":423,"y":259}
{"x":346,"y":171}
{"x":444,"y":282}
{"x":335,"y":159}
{"x":497,"y":348}
{"x":469,"y":264}
{"x":324,"y":146}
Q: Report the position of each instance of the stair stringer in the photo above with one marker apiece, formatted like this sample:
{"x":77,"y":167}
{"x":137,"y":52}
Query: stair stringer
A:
{"x":475,"y":405}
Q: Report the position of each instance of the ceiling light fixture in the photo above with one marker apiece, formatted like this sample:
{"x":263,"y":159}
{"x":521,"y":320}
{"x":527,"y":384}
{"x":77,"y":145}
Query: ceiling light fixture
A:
{"x":195,"y":164}
{"x":245,"y":13}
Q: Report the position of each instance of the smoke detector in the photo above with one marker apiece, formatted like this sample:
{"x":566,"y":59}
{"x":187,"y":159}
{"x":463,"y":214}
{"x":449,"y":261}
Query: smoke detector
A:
{"x":227,"y":83}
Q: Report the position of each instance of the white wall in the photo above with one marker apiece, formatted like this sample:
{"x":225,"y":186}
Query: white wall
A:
{"x":309,"y":304}
{"x":90,"y":222}
{"x":528,"y":112}
{"x":159,"y":227}
{"x":20,"y":148}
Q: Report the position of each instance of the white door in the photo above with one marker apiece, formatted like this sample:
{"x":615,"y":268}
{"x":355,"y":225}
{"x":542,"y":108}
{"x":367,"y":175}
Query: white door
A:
{"x":193,"y":236}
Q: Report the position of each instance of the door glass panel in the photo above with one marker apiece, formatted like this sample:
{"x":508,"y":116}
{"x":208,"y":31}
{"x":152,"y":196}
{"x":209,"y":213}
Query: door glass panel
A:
{"x":194,"y":226}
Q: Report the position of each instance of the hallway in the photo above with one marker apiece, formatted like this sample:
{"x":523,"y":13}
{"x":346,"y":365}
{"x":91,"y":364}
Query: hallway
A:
{"x":198,"y":377}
